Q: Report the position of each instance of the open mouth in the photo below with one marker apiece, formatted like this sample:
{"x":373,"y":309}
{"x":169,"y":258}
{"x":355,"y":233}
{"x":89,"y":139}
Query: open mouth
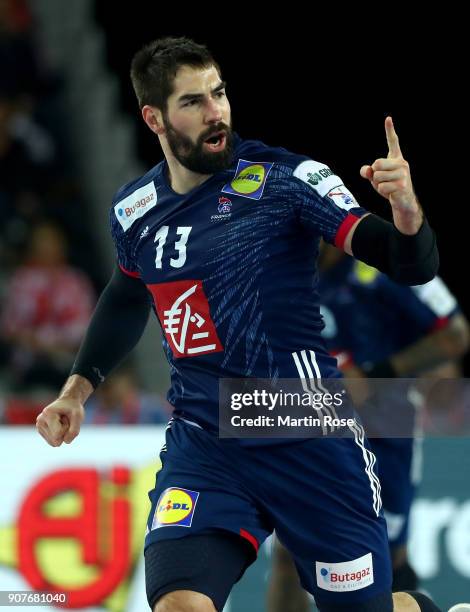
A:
{"x":216,"y":142}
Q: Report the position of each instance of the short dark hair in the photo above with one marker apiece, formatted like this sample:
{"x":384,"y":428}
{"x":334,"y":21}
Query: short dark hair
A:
{"x":154,"y":68}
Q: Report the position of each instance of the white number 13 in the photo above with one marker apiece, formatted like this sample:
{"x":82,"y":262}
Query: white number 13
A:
{"x":180,"y":246}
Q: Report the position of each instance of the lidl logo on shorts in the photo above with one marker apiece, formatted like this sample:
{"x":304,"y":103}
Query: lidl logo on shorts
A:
{"x":250,"y":179}
{"x":175,"y":508}
{"x":347,"y":576}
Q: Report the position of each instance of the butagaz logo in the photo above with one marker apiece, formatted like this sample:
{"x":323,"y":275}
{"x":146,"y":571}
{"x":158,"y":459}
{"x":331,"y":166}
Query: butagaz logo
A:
{"x":336,"y":577}
{"x":136,"y":205}
{"x":128,"y":211}
{"x":315,"y":177}
{"x":225,"y":209}
{"x":347,"y":576}
{"x":183,"y":311}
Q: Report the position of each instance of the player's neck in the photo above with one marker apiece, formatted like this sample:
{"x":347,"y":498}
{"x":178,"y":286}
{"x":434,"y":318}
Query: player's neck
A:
{"x":181,"y":179}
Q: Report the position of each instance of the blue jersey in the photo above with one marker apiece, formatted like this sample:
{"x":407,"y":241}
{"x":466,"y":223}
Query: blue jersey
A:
{"x":231,"y":268}
{"x":369,"y":317}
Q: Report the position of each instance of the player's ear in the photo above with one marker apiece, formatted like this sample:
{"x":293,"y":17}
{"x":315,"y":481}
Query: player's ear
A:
{"x":153,"y":118}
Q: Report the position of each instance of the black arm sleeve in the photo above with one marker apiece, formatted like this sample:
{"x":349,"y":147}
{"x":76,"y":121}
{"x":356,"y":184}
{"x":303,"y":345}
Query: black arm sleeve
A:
{"x":409,"y":260}
{"x":115,"y":328}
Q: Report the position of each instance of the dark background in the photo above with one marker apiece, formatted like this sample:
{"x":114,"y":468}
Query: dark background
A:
{"x":320,"y":82}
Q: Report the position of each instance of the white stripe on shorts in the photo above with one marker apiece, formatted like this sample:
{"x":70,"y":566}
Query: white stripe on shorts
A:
{"x":370,"y":460}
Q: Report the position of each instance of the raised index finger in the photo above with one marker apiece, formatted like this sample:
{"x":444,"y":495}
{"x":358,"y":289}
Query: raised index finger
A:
{"x":392,"y":139}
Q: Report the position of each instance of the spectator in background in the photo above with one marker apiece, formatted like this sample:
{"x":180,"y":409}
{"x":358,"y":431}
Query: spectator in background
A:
{"x":46,"y":310}
{"x":120,"y":401}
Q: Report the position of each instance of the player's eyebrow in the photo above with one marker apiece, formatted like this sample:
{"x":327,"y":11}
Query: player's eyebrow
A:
{"x":196,"y":96}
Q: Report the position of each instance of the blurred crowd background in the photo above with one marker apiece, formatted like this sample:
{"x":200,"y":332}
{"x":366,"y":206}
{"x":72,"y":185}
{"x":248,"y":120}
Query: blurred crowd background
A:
{"x":70,"y":135}
{"x":52,"y":265}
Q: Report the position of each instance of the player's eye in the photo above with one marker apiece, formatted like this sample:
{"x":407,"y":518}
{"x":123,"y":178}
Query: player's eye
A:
{"x":190,"y":103}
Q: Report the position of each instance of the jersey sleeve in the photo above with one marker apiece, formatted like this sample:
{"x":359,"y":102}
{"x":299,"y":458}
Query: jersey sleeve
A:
{"x":125,"y":257}
{"x":327,"y":207}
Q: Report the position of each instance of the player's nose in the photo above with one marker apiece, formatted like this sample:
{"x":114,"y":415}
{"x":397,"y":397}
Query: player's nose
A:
{"x":213,"y":112}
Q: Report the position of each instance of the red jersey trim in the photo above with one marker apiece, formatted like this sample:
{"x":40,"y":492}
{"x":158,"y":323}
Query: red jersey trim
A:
{"x":129,"y":273}
{"x":343,"y":230}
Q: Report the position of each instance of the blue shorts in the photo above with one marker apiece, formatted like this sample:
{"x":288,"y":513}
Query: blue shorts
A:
{"x":322,"y":496}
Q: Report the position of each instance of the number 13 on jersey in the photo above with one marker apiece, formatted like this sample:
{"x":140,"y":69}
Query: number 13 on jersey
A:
{"x":180,"y":245}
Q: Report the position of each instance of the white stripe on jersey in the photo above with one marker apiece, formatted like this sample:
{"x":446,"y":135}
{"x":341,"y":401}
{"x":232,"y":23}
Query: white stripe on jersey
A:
{"x":305,"y":387}
{"x":320,"y":389}
{"x":309,"y":380}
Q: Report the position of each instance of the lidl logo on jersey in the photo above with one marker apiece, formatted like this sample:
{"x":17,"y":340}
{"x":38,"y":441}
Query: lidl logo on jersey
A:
{"x":175,"y":508}
{"x":136,"y":205}
{"x":250,"y":179}
{"x":347,"y":576}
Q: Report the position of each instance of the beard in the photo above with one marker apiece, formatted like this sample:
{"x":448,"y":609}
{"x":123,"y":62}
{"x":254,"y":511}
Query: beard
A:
{"x":192,"y":155}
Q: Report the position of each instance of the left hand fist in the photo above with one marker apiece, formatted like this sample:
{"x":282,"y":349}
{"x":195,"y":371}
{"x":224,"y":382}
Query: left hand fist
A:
{"x":391,"y":177}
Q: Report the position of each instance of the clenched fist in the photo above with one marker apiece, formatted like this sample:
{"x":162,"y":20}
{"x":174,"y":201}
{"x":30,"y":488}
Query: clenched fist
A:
{"x":60,"y":421}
